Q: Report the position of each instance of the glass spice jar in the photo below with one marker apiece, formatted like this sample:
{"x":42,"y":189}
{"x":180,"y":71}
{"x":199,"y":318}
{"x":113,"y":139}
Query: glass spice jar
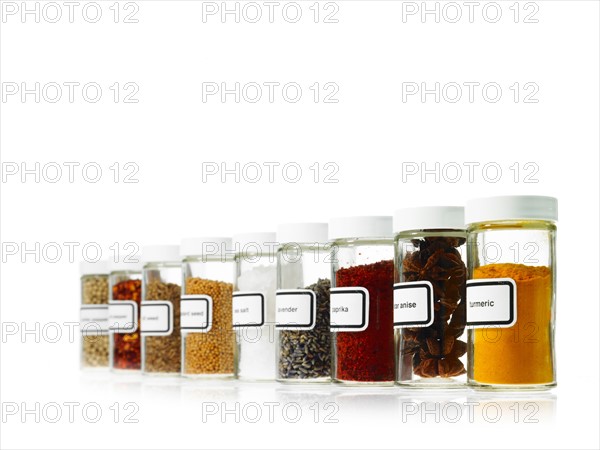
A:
{"x":361,"y":303}
{"x":430,"y":296}
{"x":208,"y":341}
{"x":511,"y":292}
{"x":254,"y":305}
{"x":302,"y":331}
{"x":125,"y":288}
{"x":93,"y":321}
{"x":159,"y":323}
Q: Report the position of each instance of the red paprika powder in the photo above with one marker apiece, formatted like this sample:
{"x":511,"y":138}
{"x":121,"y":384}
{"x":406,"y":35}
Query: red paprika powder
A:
{"x":127,"y":346}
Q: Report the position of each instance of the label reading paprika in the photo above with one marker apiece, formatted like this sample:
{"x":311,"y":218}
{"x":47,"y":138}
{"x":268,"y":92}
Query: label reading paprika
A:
{"x":413,"y":304}
{"x":349,"y":309}
{"x":93,"y":320}
{"x":295,"y":309}
{"x":196,"y":313}
{"x":123,"y":316}
{"x":248,"y":309}
{"x":156,"y":318}
{"x":491,"y":301}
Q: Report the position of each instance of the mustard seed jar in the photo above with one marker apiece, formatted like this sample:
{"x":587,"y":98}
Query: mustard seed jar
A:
{"x":161,"y":295}
{"x":208,"y":341}
{"x":511,"y":292}
{"x":125,"y":287}
{"x":302,"y":333}
{"x":430,"y":279}
{"x":93,"y":321}
{"x":254,"y":305}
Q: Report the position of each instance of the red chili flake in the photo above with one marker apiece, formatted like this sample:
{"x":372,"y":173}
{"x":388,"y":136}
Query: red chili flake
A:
{"x":369,"y":355}
{"x":127,"y":352}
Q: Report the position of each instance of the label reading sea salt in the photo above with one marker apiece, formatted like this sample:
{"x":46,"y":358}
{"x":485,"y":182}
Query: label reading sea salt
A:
{"x":196,"y":313}
{"x":248,"y":309}
{"x":349,"y":309}
{"x":156,"y":318}
{"x":491,"y":302}
{"x":123,"y":316}
{"x":295,"y":309}
{"x":93,"y":320}
{"x":413,"y":304}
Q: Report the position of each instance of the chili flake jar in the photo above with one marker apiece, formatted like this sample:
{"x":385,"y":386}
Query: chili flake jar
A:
{"x":511,"y":292}
{"x":254,"y":305}
{"x":125,"y":287}
{"x":159,"y":324}
{"x":361,"y":303}
{"x":302,"y":303}
{"x":430,"y":296}
{"x":94,"y":314}
{"x":207,"y":339}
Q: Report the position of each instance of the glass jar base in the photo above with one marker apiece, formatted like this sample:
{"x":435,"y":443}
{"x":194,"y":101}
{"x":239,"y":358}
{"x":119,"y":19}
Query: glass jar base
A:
{"x":433,"y":383}
{"x":511,"y":387}
{"x":209,"y":376}
{"x":364,"y":383}
{"x":321,"y":380}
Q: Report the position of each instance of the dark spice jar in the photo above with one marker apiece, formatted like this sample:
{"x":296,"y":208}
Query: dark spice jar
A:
{"x":430,"y":296}
{"x":125,"y":288}
{"x":361,"y":303}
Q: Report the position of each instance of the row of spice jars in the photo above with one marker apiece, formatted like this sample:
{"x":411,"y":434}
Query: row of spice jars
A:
{"x":396,"y":306}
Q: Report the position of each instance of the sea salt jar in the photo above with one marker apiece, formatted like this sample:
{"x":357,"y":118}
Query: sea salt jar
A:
{"x":254,"y":305}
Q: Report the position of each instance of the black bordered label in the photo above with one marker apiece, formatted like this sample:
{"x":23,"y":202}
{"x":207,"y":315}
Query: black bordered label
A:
{"x":93,"y":320}
{"x":156,"y":318}
{"x":123,"y":316}
{"x":491,"y":302}
{"x":248,"y":309}
{"x":413,"y":304}
{"x":196,"y":313}
{"x":295,"y":309}
{"x":349,"y":309}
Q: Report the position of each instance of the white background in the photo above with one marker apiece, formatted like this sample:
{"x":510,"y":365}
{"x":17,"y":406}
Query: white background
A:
{"x":369,"y":133}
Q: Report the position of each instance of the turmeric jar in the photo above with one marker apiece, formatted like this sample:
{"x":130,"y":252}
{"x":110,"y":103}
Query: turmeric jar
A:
{"x":511,"y":292}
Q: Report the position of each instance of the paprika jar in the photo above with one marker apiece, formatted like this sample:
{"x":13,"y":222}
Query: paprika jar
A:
{"x":361,"y":299}
{"x":254,"y":305}
{"x":430,"y":296}
{"x":302,"y":325}
{"x":511,"y":292}
{"x":125,"y":287}
{"x":159,"y":323}
{"x":93,"y":320}
{"x":207,"y":339}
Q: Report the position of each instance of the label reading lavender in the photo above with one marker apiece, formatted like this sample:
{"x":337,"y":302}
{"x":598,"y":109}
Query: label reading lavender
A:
{"x":156,"y":318}
{"x":349,"y":309}
{"x":295,"y":309}
{"x":93,"y":320}
{"x":196,"y":313}
{"x":248,"y":309}
{"x":491,"y":302}
{"x":123,"y":316}
{"x":413,"y":304}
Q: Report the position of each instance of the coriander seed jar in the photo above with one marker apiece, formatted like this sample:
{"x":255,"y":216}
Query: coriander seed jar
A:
{"x":511,"y":292}
{"x":159,"y":317}
{"x":361,"y":303}
{"x":302,"y":325}
{"x":125,"y":287}
{"x":254,"y":305}
{"x":208,"y":341}
{"x":93,"y":321}
{"x":430,"y":279}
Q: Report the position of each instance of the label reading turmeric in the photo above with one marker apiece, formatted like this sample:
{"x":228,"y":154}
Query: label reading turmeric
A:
{"x":491,"y":302}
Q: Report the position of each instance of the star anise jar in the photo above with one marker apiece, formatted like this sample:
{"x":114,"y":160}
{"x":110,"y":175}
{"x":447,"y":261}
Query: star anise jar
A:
{"x":430,"y":278}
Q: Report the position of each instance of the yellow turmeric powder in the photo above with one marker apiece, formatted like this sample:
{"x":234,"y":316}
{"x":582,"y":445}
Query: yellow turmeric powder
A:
{"x":521,"y":354}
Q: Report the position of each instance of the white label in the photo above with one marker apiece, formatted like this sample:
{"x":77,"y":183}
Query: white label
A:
{"x":491,"y":301}
{"x":248,"y":309}
{"x":295,"y":309}
{"x":196,"y":313}
{"x":156,"y":318}
{"x":349,"y":309}
{"x":93,"y":320}
{"x":123,"y":316}
{"x":413,"y":304}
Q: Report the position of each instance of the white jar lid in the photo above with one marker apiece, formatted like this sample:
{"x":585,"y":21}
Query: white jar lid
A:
{"x":511,"y":207}
{"x":94,"y":268}
{"x":127,"y":263}
{"x":160,"y":253}
{"x":302,"y":233}
{"x":205,"y":246}
{"x":429,"y":218}
{"x":253,"y":242}
{"x":360,"y":227}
